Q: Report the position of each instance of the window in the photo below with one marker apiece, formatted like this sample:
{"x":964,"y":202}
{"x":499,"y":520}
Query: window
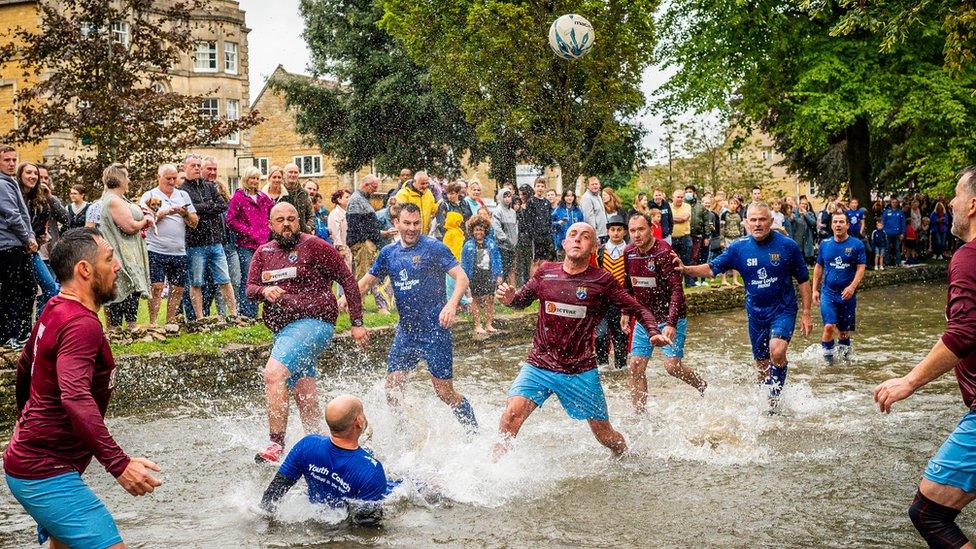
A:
{"x":120,"y":33}
{"x":209,"y":109}
{"x":230,"y":57}
{"x":158,"y":87}
{"x":733,"y":156}
{"x":309,"y":165}
{"x":88,"y":28}
{"x":767,"y":154}
{"x":205,"y":57}
{"x":262,"y":165}
{"x":234,"y":182}
{"x":233,"y":113}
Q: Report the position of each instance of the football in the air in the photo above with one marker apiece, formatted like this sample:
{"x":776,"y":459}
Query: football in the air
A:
{"x":571,"y":36}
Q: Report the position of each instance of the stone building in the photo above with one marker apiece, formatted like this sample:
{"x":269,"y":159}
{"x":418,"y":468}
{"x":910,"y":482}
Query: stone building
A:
{"x":217,"y":68}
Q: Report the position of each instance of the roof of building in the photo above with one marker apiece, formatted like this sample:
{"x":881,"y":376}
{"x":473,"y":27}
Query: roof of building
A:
{"x":281,"y":73}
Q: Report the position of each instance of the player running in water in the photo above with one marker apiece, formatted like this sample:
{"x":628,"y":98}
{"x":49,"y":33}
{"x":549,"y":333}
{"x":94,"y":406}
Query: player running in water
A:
{"x":293,"y":276}
{"x":418,"y":266}
{"x":656,"y":284}
{"x":64,"y":382}
{"x":949,"y":482}
{"x":767,"y":261}
{"x":573,"y":297}
{"x":840,"y":265}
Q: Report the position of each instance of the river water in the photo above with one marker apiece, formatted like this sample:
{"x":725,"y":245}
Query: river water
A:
{"x":715,"y":471}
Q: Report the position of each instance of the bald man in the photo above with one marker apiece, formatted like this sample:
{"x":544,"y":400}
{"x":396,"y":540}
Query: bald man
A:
{"x":573,"y":298}
{"x":293,"y":275}
{"x":336,"y":469}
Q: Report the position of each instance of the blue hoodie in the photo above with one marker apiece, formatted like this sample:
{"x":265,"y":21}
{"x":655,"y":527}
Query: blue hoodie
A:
{"x":470,"y":251}
{"x":562,"y":218}
{"x":894,"y":221}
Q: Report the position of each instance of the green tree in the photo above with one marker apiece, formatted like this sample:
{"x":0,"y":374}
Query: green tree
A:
{"x":493,"y":57}
{"x":95,"y":64}
{"x":384,"y":108}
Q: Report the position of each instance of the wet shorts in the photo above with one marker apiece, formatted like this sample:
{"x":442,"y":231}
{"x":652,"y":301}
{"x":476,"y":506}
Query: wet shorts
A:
{"x":580,"y":394}
{"x":955,"y":462}
{"x":435,"y":347}
{"x":641,"y":344}
{"x":835,"y":310}
{"x":299,"y":344}
{"x":780,"y":326}
{"x":66,"y":509}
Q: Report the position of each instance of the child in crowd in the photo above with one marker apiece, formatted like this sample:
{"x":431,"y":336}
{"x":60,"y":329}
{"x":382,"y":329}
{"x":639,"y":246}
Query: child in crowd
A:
{"x":610,"y":258}
{"x":454,"y":240}
{"x":656,"y":224}
{"x":879,"y":244}
{"x":911,"y":242}
{"x":924,"y":240}
{"x":482,"y":262}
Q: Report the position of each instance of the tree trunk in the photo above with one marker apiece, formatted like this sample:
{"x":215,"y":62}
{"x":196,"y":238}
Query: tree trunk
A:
{"x":859,"y":178}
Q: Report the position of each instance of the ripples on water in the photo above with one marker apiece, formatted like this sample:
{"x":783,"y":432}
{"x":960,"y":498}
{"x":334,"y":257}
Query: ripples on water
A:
{"x":830,"y":471}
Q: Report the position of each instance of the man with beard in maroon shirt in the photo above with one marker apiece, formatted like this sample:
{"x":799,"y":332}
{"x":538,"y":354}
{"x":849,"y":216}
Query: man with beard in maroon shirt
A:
{"x":64,"y":382}
{"x":949,"y":481}
{"x":573,"y":298}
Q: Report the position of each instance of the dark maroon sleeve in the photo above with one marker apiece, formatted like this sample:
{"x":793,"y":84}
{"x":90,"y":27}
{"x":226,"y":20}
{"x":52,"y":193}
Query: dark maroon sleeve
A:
{"x":254,"y":285}
{"x":78,"y":346}
{"x":627,"y":304}
{"x":334,"y":266}
{"x":677,"y":303}
{"x":22,"y":386}
{"x":960,"y":334}
{"x":526,"y":294}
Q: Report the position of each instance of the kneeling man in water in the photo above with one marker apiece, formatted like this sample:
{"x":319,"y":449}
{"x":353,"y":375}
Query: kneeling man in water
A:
{"x":336,"y":469}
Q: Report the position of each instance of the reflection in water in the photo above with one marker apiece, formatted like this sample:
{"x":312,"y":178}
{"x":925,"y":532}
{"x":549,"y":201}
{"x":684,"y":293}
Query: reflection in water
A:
{"x":830,"y":471}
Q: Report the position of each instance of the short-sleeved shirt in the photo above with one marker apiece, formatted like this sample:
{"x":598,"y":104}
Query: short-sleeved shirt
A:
{"x":655,"y":283}
{"x":94,"y":215}
{"x":169,"y":237}
{"x":334,"y":475}
{"x":960,"y":334}
{"x":767,"y":267}
{"x":839,"y":261}
{"x":417,"y":274}
{"x":855,"y":219}
{"x":684,"y":228}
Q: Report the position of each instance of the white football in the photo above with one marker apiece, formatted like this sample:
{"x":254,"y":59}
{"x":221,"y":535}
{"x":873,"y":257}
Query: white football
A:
{"x":571,"y":36}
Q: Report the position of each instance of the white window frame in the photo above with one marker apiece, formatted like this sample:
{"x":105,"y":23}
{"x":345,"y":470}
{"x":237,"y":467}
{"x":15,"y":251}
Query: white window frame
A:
{"x":205,"y":108}
{"x":231,"y":50}
{"x":88,"y":28}
{"x":314,"y":162}
{"x":205,"y":56}
{"x":233,"y":114}
{"x":261,"y":163}
{"x":767,"y":154}
{"x":119,"y":31}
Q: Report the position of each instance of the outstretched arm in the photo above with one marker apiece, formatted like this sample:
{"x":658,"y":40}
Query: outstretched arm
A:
{"x":939,"y":361}
{"x":279,"y":486}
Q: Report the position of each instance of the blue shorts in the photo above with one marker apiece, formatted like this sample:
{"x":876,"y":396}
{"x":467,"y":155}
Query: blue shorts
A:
{"x":837,"y":311}
{"x":299,"y":344}
{"x":213,"y":259}
{"x":641,"y":344}
{"x":165,"y":267}
{"x":66,"y":509}
{"x":955,"y":462}
{"x":580,"y":394}
{"x":436,"y":347}
{"x":780,"y":326}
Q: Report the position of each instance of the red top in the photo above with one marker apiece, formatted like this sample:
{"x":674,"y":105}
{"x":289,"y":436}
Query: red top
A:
{"x":655,"y":283}
{"x":64,"y":381}
{"x":960,"y":334}
{"x":306,"y":274}
{"x":656,"y":231}
{"x":571,"y":307}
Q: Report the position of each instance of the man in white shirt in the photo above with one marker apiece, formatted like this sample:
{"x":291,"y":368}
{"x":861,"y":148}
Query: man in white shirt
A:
{"x":167,"y":241}
{"x":594,"y":212}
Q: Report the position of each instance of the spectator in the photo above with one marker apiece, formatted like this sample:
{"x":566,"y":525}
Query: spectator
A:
{"x":553,"y":198}
{"x":363,"y":235}
{"x":452,"y":202}
{"x":640,"y":205}
{"x":59,"y":214}
{"x":523,"y":248}
{"x":940,"y":223}
{"x":911,"y":242}
{"x":204,"y":242}
{"x":714,"y":229}
{"x":924,"y":239}
{"x":698,"y":227}
{"x":339,"y":226}
{"x":803,"y":227}
{"x":756,"y":194}
{"x":247,"y":218}
{"x":540,"y":219}
{"x":879,"y":244}
{"x":405,"y":176}
{"x":661,"y":203}
{"x":504,"y":221}
{"x":594,"y":212}
{"x":893,"y":218}
{"x":274,"y":188}
{"x":610,"y":258}
{"x":482,"y":262}
{"x":123,"y":233}
{"x":655,"y":217}
{"x":474,"y":200}
{"x":38,"y":199}
{"x":311,"y":187}
{"x":732,"y":230}
{"x":612,"y":203}
{"x":298,"y":198}
{"x":77,"y":208}
{"x":417,"y":191}
{"x":915,"y":214}
{"x":321,"y":214}
{"x":18,"y":284}
{"x":681,"y":235}
{"x":387,"y":231}
{"x":166,"y":243}
{"x":228,"y":242}
{"x":855,"y":219}
{"x":565,"y":214}
{"x":823,"y":218}
{"x":779,"y":218}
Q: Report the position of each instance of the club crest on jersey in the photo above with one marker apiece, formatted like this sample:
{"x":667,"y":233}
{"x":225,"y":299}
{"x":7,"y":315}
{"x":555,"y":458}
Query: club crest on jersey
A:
{"x":416,"y":260}
{"x":650,"y":265}
{"x":774,"y":259}
{"x":581,"y":292}
{"x":761,"y":273}
{"x":293,"y":256}
{"x":848,"y":250}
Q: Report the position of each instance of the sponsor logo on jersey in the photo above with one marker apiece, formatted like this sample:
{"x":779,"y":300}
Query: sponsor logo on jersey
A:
{"x":581,"y":292}
{"x":643,"y":281}
{"x":565,"y":310}
{"x":405,"y":283}
{"x":761,"y":273}
{"x":279,"y":274}
{"x":838,"y":263}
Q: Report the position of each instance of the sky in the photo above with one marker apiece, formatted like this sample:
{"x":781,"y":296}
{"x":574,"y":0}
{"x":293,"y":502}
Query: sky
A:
{"x":276,"y":38}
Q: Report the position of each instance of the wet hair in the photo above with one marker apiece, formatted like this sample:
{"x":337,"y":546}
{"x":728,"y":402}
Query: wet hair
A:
{"x":476,"y":221}
{"x":644,"y":216}
{"x":409,"y":207}
{"x":75,"y":245}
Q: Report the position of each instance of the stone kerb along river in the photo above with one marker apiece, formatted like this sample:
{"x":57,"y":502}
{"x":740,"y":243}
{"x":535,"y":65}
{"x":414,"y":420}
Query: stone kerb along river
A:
{"x":714,"y":471}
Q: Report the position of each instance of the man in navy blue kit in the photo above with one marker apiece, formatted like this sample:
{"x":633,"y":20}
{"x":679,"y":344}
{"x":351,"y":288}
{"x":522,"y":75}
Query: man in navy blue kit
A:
{"x":767,"y":261}
{"x":840,"y":265}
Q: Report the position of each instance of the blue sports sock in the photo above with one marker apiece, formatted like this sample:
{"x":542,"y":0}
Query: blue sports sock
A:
{"x":828,"y":349}
{"x":465,"y":414}
{"x":846,"y":341}
{"x":776,"y":379}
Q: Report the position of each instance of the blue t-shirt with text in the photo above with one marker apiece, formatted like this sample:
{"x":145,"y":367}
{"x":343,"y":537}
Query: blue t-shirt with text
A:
{"x":335,"y":475}
{"x":767,"y":268}
{"x":418,"y":277}
{"x":839,"y":261}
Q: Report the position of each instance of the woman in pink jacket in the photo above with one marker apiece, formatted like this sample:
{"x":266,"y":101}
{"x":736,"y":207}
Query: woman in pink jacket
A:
{"x":247,"y":216}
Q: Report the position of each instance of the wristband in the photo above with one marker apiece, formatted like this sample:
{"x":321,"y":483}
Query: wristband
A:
{"x":358,"y":323}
